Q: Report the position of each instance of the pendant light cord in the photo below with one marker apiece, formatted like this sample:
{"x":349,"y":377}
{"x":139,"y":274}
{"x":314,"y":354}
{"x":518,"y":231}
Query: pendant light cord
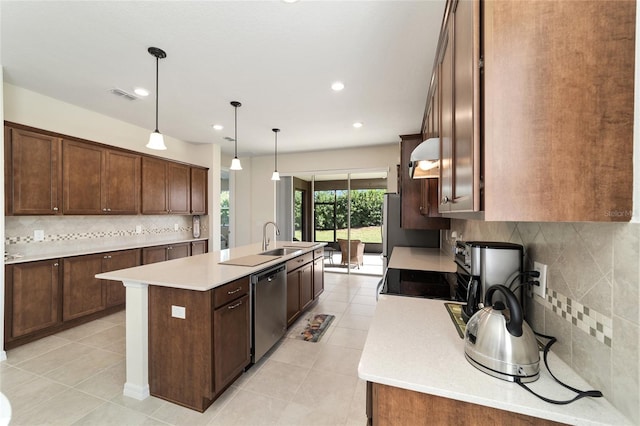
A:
{"x":157,"y":62}
{"x":276,"y":156}
{"x":235,"y":139}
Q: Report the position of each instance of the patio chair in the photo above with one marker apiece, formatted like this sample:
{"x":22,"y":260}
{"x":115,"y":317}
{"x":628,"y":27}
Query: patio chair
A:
{"x":357,"y":252}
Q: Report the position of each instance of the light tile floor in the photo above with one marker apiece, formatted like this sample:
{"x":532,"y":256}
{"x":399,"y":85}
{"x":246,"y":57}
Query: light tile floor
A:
{"x":76,"y":377}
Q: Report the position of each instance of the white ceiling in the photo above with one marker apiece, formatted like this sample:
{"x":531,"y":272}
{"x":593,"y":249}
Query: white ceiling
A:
{"x":278,"y":59}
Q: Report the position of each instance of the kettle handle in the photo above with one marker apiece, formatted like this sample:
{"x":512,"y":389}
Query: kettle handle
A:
{"x":514,"y":325}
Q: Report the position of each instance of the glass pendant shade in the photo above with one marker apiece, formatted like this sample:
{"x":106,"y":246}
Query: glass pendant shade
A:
{"x":235,"y":164}
{"x":275,"y":176}
{"x":156,"y":141}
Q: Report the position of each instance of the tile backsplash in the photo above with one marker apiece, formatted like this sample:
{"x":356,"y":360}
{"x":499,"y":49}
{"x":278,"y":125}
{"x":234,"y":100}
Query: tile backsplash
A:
{"x":67,"y":233}
{"x":593,"y":296}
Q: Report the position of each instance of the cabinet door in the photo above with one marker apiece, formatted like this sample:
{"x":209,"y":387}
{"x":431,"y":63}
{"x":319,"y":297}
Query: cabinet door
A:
{"x":154,"y":254}
{"x":429,"y":199}
{"x":466,"y":137}
{"x":198,"y":247}
{"x":293,"y":296}
{"x":115,"y":290}
{"x":318,"y":277}
{"x":121,"y":183}
{"x":154,"y":186}
{"x":179,"y":188}
{"x":33,"y":173}
{"x":445,"y":71}
{"x":177,"y":251}
{"x":306,"y":285}
{"x":82,"y":178}
{"x":83,"y":293}
{"x":198,"y":190}
{"x":33,"y":297}
{"x":231,"y":341}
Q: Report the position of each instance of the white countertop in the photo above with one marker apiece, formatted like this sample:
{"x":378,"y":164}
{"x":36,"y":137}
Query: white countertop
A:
{"x":79,"y":250}
{"x":413,"y":344}
{"x":204,"y":271}
{"x":421,"y":259}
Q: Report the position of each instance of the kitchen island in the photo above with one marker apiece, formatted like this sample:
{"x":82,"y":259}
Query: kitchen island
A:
{"x":414,"y":364}
{"x":189,"y":286}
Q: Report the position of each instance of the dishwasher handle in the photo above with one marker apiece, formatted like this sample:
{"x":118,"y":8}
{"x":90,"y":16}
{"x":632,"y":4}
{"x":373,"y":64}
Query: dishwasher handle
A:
{"x":268,"y":275}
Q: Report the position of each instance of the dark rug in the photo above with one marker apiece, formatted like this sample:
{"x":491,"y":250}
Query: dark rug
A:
{"x":316,"y":327}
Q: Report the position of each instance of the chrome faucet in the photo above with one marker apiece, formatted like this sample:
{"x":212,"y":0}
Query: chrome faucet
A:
{"x":265,"y":240}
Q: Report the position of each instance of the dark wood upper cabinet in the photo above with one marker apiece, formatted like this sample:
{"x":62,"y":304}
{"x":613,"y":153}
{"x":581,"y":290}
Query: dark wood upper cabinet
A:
{"x":179,"y":188}
{"x":33,"y":173}
{"x":154,"y":186}
{"x":198,"y":190}
{"x":525,"y":123}
{"x":121,"y":189}
{"x":166,"y":187}
{"x":98,"y":180}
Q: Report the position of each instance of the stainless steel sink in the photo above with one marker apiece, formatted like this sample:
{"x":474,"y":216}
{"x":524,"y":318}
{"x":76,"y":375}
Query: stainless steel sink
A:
{"x":280,"y":251}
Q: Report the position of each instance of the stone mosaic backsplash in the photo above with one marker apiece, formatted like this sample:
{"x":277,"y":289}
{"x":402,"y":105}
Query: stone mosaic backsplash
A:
{"x":588,"y":320}
{"x":93,"y":232}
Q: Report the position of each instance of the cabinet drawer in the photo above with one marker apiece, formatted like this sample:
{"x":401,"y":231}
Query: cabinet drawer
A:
{"x":319,"y":252}
{"x":297,"y":262}
{"x":231,"y":291}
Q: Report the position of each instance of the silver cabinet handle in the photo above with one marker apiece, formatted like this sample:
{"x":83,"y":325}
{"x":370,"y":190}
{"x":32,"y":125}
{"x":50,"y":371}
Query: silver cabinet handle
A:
{"x":234,"y":291}
{"x":55,"y":209}
{"x":55,"y":264}
{"x":445,"y":199}
{"x":104,"y":210}
{"x":234,"y":306}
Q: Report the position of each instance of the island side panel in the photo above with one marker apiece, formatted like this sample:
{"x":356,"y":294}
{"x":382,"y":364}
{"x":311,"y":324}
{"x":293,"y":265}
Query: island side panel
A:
{"x":137,"y":340}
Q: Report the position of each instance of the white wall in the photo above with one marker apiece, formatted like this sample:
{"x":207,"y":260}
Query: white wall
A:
{"x":255,"y":179}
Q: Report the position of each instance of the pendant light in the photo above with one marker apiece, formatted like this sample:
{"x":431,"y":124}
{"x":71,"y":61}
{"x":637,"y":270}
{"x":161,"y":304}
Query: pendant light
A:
{"x":276,"y":175}
{"x":156,"y":140}
{"x":235,"y":163}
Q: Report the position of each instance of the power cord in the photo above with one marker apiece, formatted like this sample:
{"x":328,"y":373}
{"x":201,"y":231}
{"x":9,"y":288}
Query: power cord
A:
{"x":580,"y":393}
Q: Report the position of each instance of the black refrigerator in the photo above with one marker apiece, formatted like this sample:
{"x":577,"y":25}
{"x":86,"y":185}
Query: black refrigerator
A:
{"x":393,"y":235}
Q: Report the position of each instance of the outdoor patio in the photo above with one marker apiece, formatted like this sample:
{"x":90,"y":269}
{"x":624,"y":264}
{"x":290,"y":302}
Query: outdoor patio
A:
{"x":372,"y":264}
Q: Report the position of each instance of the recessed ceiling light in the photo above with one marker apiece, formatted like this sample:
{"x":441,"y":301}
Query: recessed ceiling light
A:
{"x":337,"y":86}
{"x":217,"y":127}
{"x":290,"y":1}
{"x":140,"y":91}
{"x":357,"y":125}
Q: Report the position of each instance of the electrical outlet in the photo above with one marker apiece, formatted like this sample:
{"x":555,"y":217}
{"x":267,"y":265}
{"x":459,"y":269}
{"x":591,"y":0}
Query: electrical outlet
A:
{"x":540,"y":290}
{"x":175,"y":227}
{"x":178,"y":312}
{"x":138,"y":229}
{"x":38,"y":235}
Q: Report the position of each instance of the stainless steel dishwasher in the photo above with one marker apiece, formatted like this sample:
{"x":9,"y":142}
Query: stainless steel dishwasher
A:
{"x":268,"y":310}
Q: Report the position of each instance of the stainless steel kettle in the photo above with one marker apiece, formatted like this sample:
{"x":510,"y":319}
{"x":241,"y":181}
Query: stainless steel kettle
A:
{"x":499,"y":342}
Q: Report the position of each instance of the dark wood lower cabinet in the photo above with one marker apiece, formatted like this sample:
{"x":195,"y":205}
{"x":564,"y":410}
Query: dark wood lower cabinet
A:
{"x":82,"y":292}
{"x":114,"y":290}
{"x":232,"y":347}
{"x":192,"y":360}
{"x":305,"y":282}
{"x":32,"y":294}
{"x":165,"y":252}
{"x":389,"y":405}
